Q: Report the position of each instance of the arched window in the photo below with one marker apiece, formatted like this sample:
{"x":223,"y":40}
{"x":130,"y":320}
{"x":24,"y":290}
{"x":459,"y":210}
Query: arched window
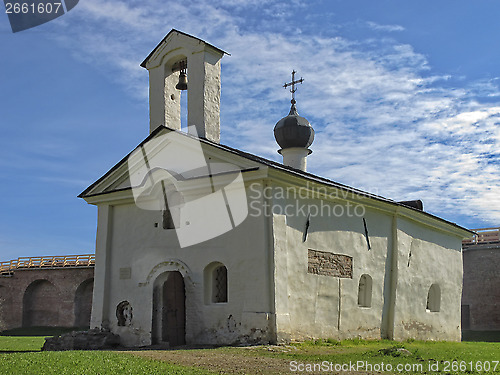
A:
{"x":434,"y":298}
{"x":215,"y":283}
{"x":219,"y":291}
{"x":365,"y":291}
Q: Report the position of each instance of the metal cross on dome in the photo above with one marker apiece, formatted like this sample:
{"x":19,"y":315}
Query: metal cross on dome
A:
{"x":293,"y":83}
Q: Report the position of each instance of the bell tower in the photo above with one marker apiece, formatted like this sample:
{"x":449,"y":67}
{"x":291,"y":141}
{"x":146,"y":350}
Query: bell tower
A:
{"x":201,"y":61}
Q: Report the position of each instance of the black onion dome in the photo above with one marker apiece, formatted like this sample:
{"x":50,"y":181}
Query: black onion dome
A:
{"x":293,"y":131}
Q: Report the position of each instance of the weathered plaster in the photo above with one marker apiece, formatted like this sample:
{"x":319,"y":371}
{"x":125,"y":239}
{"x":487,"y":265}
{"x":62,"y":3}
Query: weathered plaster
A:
{"x":435,"y":259}
{"x":151,"y":251}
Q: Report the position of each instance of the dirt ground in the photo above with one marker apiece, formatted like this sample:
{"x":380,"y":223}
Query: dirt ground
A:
{"x":221,"y":362}
{"x":243,"y":360}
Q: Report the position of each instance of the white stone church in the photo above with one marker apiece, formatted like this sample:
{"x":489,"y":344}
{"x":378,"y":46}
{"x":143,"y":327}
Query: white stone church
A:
{"x":201,"y":243}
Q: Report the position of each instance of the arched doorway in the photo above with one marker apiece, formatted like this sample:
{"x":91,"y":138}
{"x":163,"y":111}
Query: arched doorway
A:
{"x":41,"y":305}
{"x":83,"y":303}
{"x":169,"y":309}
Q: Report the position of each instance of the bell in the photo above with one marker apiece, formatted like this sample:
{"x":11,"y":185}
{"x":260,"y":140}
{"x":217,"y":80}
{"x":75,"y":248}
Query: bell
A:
{"x":183,"y":82}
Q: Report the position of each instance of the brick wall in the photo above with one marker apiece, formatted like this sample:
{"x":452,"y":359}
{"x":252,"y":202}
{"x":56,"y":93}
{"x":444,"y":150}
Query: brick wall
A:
{"x":481,"y":289}
{"x":46,"y":297}
{"x":329,"y":264}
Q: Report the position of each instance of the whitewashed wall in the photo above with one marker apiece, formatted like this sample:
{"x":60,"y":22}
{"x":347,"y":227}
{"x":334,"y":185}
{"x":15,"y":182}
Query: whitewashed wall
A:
{"x":134,"y":242}
{"x":318,"y":306}
{"x":436,"y":258}
{"x":271,"y":296}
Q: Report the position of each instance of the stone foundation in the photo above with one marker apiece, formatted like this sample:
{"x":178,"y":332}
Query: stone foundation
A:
{"x":95,"y":339}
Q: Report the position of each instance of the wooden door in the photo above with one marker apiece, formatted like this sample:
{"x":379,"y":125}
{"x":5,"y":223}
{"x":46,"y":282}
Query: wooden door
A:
{"x":174,"y":310}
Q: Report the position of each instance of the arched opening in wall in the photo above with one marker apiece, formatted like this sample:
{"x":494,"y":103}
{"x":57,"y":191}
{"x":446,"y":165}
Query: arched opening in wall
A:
{"x":365,"y":291}
{"x":215,"y":277}
{"x":4,"y":308}
{"x":434,"y":298}
{"x":41,"y":305}
{"x":169,"y":309}
{"x":83,"y":303}
{"x":124,"y":314}
{"x":176,"y":93}
{"x":184,"y":110}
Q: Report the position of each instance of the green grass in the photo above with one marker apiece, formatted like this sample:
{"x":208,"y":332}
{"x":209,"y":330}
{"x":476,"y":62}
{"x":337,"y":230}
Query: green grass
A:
{"x":438,"y":354}
{"x":87,"y":363}
{"x":22,"y":355}
{"x":20,"y":344}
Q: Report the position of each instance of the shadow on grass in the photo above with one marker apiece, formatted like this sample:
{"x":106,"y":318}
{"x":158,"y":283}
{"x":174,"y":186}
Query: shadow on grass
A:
{"x":487,"y":336}
{"x":41,"y":331}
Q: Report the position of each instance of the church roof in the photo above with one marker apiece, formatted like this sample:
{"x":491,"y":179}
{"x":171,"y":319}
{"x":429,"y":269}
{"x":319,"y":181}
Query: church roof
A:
{"x":87,"y":193}
{"x":246,"y":155}
{"x":143,"y":64}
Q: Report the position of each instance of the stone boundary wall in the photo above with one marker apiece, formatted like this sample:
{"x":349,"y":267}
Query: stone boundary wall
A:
{"x":46,"y":297}
{"x":481,"y":288}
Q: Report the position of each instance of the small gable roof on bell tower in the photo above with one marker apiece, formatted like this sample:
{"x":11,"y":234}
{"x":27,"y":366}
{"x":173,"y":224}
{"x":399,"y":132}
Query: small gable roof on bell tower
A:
{"x":178,"y":33}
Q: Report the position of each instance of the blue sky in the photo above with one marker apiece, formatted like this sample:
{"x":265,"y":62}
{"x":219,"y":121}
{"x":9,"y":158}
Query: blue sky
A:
{"x":404,"y":97}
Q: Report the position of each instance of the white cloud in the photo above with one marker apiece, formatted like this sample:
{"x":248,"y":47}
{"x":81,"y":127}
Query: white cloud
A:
{"x":388,"y":28}
{"x":383,"y":121}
